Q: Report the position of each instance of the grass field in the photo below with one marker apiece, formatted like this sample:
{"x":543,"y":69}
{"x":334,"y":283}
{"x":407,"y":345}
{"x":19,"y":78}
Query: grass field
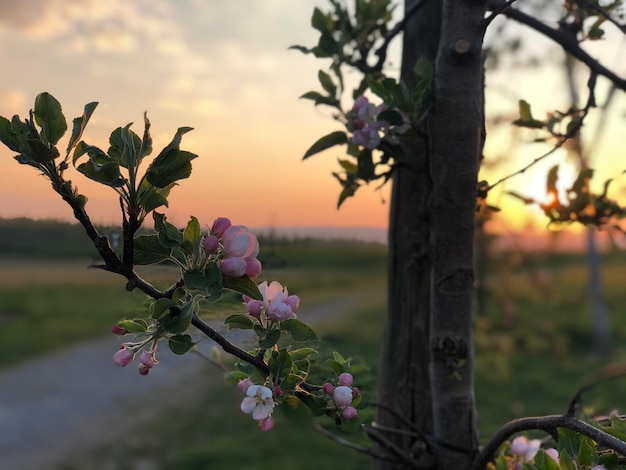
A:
{"x":533,"y":347}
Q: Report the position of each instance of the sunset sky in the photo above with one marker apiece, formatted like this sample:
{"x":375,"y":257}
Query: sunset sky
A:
{"x":223,"y":68}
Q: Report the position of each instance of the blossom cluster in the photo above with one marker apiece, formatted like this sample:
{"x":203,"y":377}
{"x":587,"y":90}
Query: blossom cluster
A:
{"x":235,"y":247}
{"x":369,"y":130}
{"x":128,"y":351}
{"x":343,"y":395}
{"x":277,"y":304}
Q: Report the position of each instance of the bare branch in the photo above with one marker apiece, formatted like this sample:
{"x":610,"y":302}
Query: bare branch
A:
{"x":562,"y":139}
{"x":566,"y":41}
{"x":381,"y":52}
{"x":499,"y":11}
{"x":227,"y":346}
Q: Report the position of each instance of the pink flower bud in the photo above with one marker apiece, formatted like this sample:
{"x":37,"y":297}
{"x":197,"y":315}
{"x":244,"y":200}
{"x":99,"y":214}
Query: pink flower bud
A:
{"x":278,"y":391}
{"x":253,"y":267}
{"x":342,"y":395}
{"x":349,"y":412}
{"x":293,"y":301}
{"x":328,"y":388}
{"x":147,"y":359}
{"x":122,"y":357}
{"x":254,"y":308}
{"x":355,"y":392}
{"x":219,"y":226}
{"x":267,"y":423}
{"x":233,"y":267}
{"x":116,"y":330}
{"x":143,"y":369}
{"x":519,"y":445}
{"x":554,"y":454}
{"x":245,"y":384}
{"x":240,"y":242}
{"x":345,"y":379}
{"x":210,"y":244}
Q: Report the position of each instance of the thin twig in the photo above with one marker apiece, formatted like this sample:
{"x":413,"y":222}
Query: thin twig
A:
{"x":381,"y":52}
{"x":591,"y":102}
{"x":399,"y":453}
{"x":351,"y":445}
{"x":495,"y":13}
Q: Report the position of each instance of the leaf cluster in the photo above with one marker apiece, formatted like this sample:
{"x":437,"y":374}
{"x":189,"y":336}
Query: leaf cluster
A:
{"x":581,"y":204}
{"x":350,"y":40}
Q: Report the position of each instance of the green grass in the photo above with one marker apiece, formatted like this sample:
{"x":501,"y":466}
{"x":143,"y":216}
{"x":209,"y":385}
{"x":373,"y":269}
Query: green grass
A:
{"x":47,"y":304}
{"x":533,"y":349}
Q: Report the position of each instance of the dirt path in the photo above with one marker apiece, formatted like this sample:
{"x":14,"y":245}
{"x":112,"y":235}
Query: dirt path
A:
{"x":77,"y":397}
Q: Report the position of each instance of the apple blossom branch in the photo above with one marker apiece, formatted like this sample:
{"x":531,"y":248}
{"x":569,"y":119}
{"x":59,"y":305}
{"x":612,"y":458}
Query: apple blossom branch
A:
{"x":548,"y":424}
{"x":125,"y":268}
{"x":562,"y":138}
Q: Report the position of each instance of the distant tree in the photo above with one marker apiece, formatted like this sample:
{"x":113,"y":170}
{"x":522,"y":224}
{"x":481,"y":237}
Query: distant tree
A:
{"x":427,"y":138}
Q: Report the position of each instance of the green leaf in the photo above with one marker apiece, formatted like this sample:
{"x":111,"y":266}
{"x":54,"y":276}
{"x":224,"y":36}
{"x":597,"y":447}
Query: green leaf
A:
{"x":271,"y":338}
{"x":172,"y":164}
{"x":214,"y":280}
{"x":318,"y":98}
{"x":191,"y":234}
{"x":146,"y":143}
{"x":327,"y":83}
{"x":335,"y":366}
{"x":299,"y":411}
{"x":526,"y":118}
{"x":279,"y":363}
{"x":392,"y":117}
{"x":587,"y":452}
{"x":347,"y":165}
{"x":320,"y":21}
{"x":148,"y":250}
{"x":125,"y":147}
{"x":134,"y":326}
{"x":243,"y":285}
{"x":566,"y":462}
{"x":161,"y":306}
{"x":366,"y":168}
{"x":424,"y":69}
{"x":178,"y":323}
{"x":301,"y":353}
{"x":544,"y":462}
{"x":100,"y":167}
{"x":150,"y":197}
{"x":304,"y":50}
{"x":326,"y":142}
{"x":299,"y":331}
{"x":49,"y":116}
{"x":317,"y":405}
{"x":242,"y":322}
{"x":79,"y":125}
{"x":195,"y":279}
{"x":553,"y":177}
{"x":234,"y":376}
{"x":39,"y":152}
{"x":169,"y":235}
{"x":8,"y":136}
{"x":180,"y":344}
{"x":291,"y":382}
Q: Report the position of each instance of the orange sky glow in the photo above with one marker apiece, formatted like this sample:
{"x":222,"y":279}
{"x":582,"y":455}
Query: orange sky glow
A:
{"x":224,"y":69}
